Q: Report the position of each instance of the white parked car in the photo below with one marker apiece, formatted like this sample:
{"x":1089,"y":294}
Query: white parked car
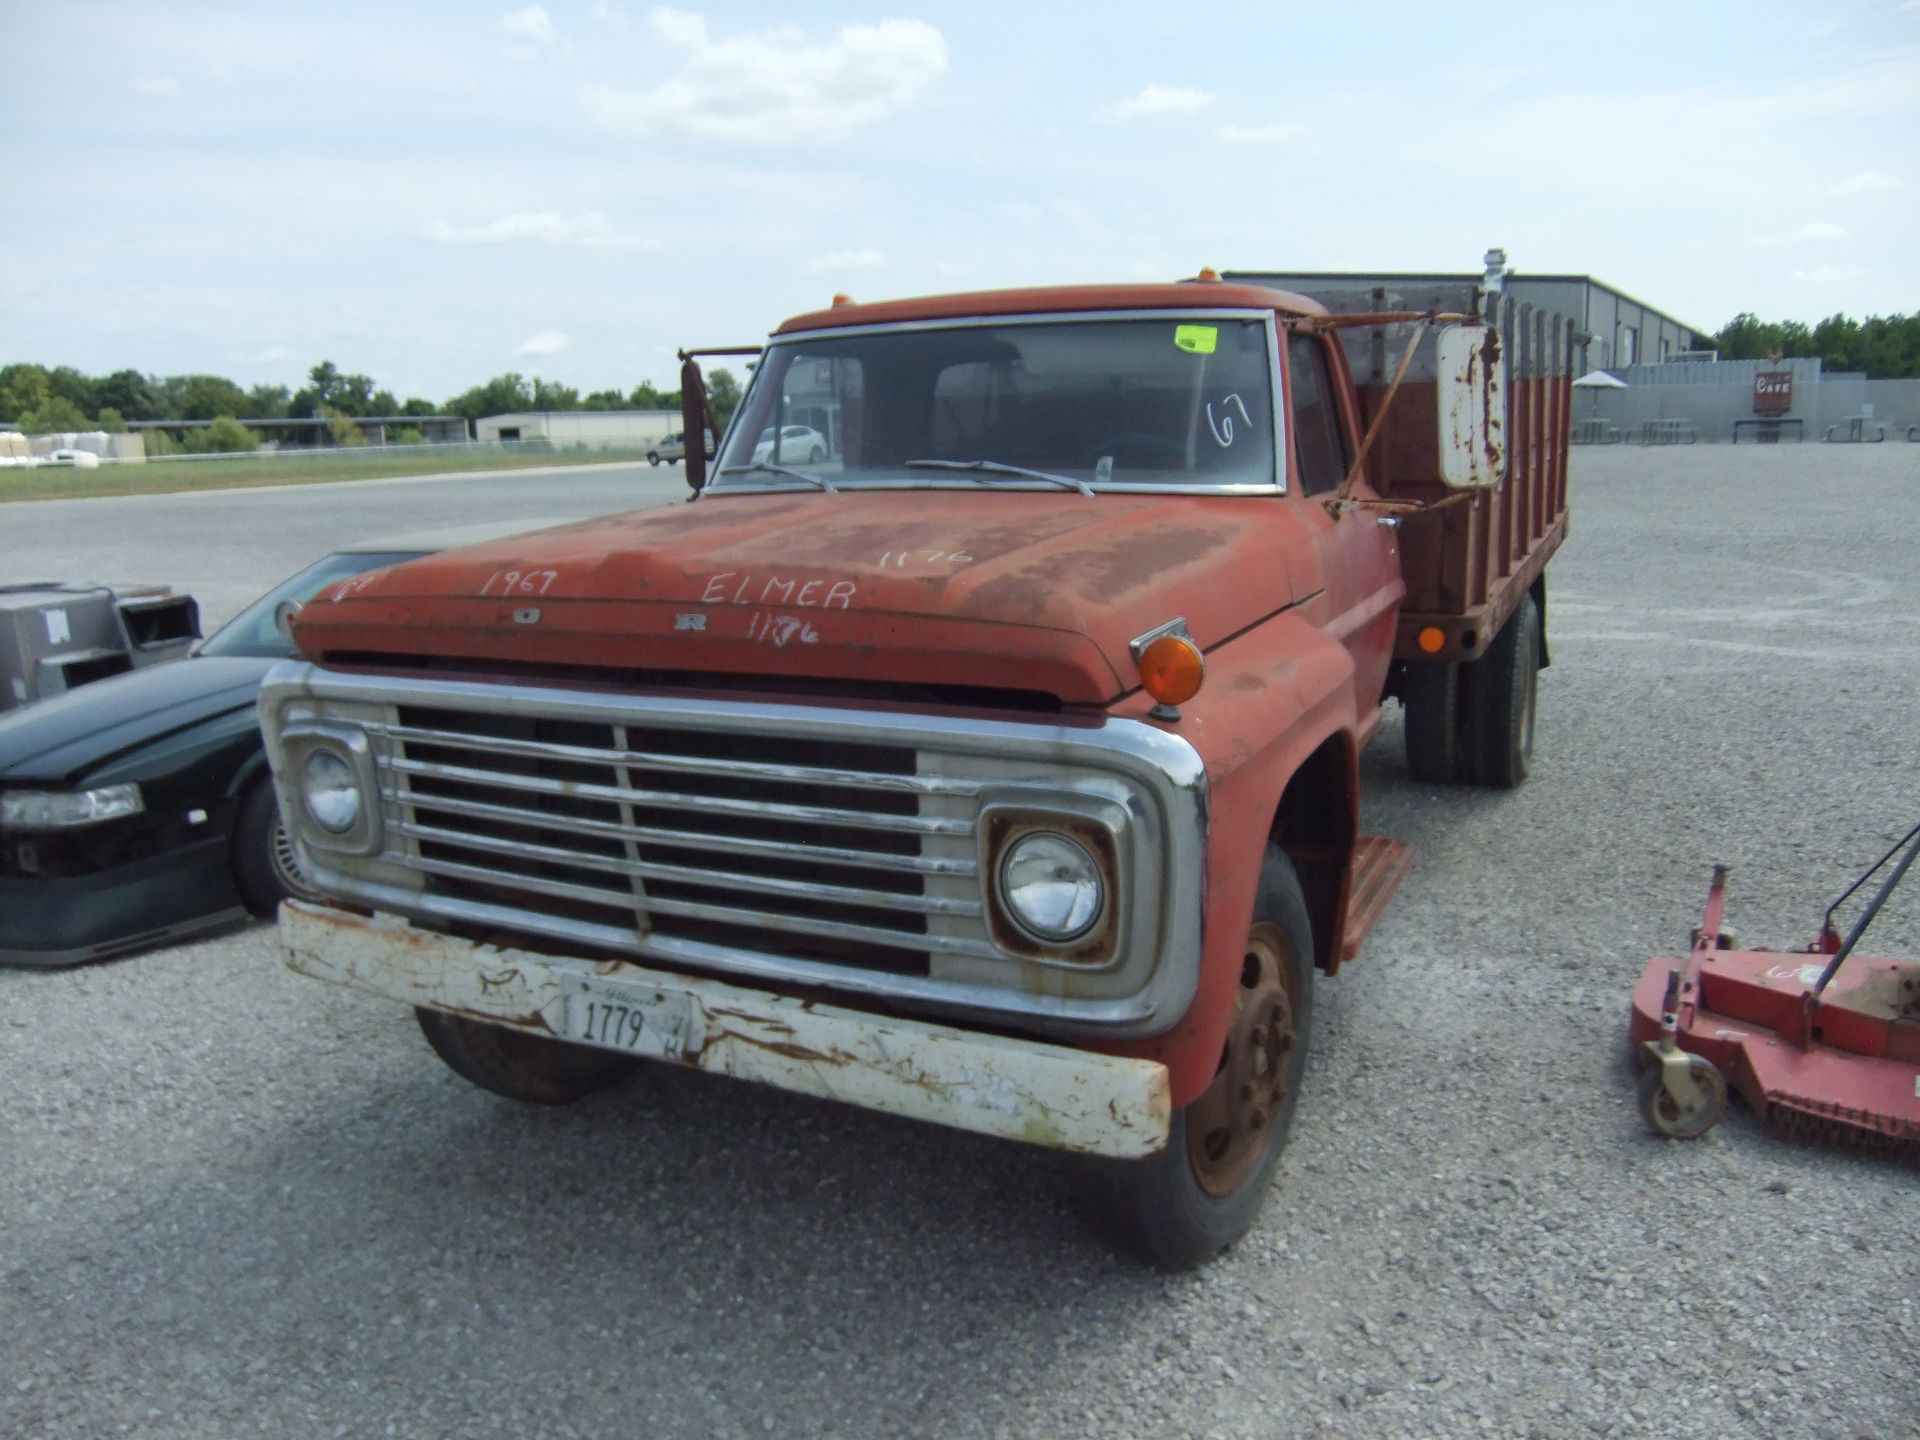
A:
{"x":83,"y":459}
{"x":799,"y":444}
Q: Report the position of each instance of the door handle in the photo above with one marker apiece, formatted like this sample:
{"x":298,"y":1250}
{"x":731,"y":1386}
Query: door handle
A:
{"x":1392,"y":522}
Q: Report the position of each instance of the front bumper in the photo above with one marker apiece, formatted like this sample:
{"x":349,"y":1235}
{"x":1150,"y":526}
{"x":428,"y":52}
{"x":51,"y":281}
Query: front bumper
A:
{"x":1041,"y":1093}
{"x":70,"y":919}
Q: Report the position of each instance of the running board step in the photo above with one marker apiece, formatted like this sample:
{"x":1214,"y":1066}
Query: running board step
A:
{"x":1379,"y":865}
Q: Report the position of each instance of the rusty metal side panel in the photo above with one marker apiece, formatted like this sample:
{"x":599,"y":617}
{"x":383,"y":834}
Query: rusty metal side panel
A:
{"x":1043,"y":1094}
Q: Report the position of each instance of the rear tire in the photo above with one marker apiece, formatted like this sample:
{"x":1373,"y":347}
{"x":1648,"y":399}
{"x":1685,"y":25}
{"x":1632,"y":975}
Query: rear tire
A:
{"x":1502,"y":702}
{"x":1201,"y":1193}
{"x":1430,"y":695}
{"x":520,"y":1066}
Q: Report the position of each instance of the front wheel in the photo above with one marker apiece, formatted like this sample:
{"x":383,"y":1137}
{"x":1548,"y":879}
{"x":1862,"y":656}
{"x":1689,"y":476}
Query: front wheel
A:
{"x":518,"y":1065}
{"x":1202,"y":1192}
{"x":266,"y":866}
{"x":653,"y":457}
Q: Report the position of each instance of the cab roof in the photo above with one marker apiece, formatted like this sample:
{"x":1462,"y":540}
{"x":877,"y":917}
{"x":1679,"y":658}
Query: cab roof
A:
{"x":1184,"y":295}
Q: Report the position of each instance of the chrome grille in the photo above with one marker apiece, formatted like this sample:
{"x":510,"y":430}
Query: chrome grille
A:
{"x":803,"y":848}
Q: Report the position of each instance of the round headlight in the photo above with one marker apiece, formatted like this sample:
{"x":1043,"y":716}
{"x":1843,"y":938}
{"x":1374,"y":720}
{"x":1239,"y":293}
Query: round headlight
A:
{"x":1051,"y":885}
{"x":331,"y":794}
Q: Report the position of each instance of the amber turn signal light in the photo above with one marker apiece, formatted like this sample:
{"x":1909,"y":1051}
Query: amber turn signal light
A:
{"x":1432,"y":639}
{"x":1172,"y":669}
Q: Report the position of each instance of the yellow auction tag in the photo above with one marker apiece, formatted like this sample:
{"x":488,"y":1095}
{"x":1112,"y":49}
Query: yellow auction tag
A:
{"x":1196,"y":339}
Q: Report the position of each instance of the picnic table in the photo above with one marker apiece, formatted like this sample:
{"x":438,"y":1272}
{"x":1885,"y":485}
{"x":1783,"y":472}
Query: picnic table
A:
{"x":1856,"y":428}
{"x":1666,"y":432}
{"x":1767,"y":428}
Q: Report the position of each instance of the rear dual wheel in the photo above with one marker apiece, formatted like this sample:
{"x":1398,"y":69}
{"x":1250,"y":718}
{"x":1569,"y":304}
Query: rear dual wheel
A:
{"x":1473,"y":724}
{"x":1204,"y":1190}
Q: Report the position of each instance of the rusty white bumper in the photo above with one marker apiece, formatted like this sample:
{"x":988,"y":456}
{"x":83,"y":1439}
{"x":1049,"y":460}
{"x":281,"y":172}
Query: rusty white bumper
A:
{"x":1027,"y":1090}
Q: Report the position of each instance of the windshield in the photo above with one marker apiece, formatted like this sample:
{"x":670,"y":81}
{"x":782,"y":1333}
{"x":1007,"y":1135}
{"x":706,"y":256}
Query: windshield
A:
{"x":1159,"y":403}
{"x":252,"y":631}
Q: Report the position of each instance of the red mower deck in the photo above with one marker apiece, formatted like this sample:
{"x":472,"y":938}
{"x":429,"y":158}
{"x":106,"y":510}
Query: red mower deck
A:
{"x":1836,"y":1063}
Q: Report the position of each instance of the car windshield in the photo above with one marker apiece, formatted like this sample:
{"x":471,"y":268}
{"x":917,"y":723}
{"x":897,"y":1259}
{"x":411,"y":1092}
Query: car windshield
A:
{"x":252,"y":631}
{"x":1156,"y":403}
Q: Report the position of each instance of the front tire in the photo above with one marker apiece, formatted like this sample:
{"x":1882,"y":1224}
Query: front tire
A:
{"x":1186,"y":1204}
{"x":266,"y":867}
{"x":653,"y":457}
{"x":520,"y":1066}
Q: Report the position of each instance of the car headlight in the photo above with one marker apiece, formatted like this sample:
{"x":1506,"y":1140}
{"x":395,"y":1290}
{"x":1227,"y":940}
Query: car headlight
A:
{"x":330,"y":791}
{"x":68,"y":809}
{"x":1051,"y":885}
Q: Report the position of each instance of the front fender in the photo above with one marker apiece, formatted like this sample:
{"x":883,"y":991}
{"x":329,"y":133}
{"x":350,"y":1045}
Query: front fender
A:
{"x":1273,"y":696}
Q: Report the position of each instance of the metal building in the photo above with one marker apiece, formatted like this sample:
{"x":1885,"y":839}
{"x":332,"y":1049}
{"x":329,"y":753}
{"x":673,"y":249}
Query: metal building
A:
{"x":564,"y":429}
{"x":1611,"y":329}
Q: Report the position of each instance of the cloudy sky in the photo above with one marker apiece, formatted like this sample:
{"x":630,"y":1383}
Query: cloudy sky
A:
{"x":435,"y":193}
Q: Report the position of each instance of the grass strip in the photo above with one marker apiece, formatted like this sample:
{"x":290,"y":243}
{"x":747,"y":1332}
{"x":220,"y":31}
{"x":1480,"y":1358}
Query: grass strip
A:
{"x":65,"y":482}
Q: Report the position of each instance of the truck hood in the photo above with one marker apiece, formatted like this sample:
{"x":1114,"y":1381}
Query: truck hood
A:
{"x":1008,"y":589}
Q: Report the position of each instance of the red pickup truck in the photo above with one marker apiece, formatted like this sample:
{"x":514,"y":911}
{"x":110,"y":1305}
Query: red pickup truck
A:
{"x":979,"y":745}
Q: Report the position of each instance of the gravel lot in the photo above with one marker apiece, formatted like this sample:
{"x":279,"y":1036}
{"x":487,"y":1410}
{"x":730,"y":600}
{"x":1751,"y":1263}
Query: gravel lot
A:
{"x":240,"y":1203}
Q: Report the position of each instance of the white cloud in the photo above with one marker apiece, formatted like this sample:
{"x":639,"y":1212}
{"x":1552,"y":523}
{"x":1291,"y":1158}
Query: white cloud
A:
{"x":1868,"y":179}
{"x":1812,"y":230}
{"x":532,"y":23}
{"x":1159,"y":100}
{"x":547,"y":342}
{"x":157,"y":87}
{"x":1826,"y":274}
{"x":773,"y":86}
{"x":589,"y":230}
{"x":840,"y":260}
{"x":272,"y":355}
{"x":1258,"y":134}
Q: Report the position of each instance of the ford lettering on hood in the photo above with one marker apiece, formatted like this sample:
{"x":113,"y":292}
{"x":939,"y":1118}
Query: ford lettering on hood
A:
{"x":1008,"y":590}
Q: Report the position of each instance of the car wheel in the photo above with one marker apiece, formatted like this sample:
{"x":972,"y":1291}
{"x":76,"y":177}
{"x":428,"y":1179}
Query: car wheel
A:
{"x":266,"y":867}
{"x":1204,"y":1190}
{"x":816,"y":455}
{"x":653,"y":457}
{"x":520,"y":1066}
{"x":1500,"y":709}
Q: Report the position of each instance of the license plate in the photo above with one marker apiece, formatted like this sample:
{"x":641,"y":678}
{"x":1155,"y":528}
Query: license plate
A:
{"x":655,"y":1023}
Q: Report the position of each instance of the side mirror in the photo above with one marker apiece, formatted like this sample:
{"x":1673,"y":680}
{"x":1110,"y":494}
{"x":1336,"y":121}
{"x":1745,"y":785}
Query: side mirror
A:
{"x":1472,"y":369}
{"x":284,"y":614}
{"x":694,"y":422}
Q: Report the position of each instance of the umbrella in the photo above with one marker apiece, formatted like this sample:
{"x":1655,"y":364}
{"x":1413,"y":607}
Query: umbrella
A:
{"x":1596,"y":381}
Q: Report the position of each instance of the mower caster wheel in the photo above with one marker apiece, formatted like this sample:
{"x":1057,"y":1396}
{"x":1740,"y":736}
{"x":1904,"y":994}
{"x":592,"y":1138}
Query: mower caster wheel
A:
{"x":1680,"y":1118}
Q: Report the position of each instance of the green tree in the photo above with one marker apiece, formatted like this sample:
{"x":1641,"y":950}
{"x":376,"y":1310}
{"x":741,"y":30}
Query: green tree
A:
{"x":111,"y":420}
{"x":551,"y":395}
{"x":502,"y":395}
{"x":206,"y":397}
{"x":340,"y":425}
{"x":58,"y":414}
{"x":416,"y":406}
{"x":132,"y":394}
{"x":646,"y":397}
{"x":23,"y":391}
{"x":268,"y":402}
{"x":224,"y":436}
{"x":603,"y":400}
{"x":159,"y":442}
{"x":723,"y":395}
{"x":405,"y":435}
{"x":69,"y":384}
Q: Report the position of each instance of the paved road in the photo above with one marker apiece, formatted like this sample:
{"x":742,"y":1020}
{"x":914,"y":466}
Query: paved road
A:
{"x":228,"y":546}
{"x":237,"y":1203}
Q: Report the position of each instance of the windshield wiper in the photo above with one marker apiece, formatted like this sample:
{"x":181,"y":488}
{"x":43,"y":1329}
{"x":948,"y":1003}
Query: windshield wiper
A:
{"x":787,"y":470}
{"x":980,"y":469}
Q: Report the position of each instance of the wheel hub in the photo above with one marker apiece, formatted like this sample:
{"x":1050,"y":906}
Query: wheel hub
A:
{"x":1229,"y":1126}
